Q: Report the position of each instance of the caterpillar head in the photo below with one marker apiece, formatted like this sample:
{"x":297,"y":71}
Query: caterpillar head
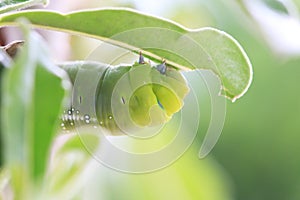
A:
{"x":155,"y":102}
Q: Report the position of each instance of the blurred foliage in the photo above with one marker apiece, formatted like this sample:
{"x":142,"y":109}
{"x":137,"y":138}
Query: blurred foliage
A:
{"x":29,"y":116}
{"x":276,"y":5}
{"x":5,"y":61}
{"x":38,"y":168}
{"x":9,"y":5}
{"x":260,"y":142}
{"x":187,"y":178}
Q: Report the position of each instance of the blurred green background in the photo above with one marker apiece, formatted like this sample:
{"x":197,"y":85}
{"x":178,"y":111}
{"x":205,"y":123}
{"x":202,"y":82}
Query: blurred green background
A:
{"x":256,"y":156}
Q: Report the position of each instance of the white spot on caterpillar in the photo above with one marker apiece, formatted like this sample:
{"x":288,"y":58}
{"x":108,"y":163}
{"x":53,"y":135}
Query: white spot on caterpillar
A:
{"x":123,"y":100}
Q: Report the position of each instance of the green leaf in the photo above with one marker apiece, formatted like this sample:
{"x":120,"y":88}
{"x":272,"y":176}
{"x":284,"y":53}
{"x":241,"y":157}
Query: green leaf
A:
{"x":5,"y":61}
{"x":204,"y":48}
{"x":8,"y":5}
{"x":33,"y":90}
{"x":76,"y":150}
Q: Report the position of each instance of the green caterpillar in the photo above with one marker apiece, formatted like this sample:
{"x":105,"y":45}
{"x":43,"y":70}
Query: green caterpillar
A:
{"x":157,"y":93}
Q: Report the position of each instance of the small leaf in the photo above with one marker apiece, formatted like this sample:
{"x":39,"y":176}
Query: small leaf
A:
{"x":76,"y":150}
{"x":8,"y":5}
{"x":32,"y":96}
{"x":204,"y":48}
